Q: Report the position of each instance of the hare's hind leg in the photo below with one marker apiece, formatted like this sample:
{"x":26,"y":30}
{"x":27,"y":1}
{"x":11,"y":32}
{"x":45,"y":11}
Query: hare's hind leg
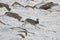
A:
{"x":23,"y":24}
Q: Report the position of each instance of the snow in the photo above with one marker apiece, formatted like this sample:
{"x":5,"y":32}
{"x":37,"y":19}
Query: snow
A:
{"x":50,"y":21}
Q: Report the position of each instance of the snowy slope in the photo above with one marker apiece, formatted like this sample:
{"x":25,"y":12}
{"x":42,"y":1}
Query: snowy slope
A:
{"x":50,"y":20}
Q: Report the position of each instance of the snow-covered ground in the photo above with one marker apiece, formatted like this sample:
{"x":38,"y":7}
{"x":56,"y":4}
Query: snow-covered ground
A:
{"x":50,"y":21}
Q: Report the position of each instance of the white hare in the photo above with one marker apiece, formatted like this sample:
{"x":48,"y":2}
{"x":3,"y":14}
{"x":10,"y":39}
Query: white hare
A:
{"x":31,"y":21}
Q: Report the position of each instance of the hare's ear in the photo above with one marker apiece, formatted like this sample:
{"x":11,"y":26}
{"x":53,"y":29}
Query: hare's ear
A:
{"x":37,"y":18}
